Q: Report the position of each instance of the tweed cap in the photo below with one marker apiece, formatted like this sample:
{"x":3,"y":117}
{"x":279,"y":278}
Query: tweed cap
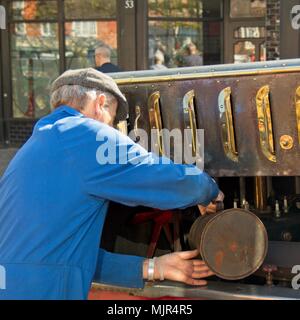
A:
{"x":91,"y":78}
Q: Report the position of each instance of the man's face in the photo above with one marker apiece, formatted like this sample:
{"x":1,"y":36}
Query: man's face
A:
{"x":102,"y":109}
{"x":109,"y":113}
{"x":98,"y":60}
{"x":106,"y":110}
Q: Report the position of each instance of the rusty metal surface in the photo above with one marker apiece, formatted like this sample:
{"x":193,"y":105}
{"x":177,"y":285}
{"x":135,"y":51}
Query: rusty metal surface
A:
{"x":233,"y":243}
{"x":279,"y":111}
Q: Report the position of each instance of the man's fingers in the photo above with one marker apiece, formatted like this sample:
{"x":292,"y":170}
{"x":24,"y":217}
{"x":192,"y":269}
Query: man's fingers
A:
{"x":188,"y":255}
{"x":198,"y":263}
{"x":195,"y":282}
{"x":201,"y":269}
{"x":212,"y":208}
{"x":203,"y":274}
{"x":202,"y":210}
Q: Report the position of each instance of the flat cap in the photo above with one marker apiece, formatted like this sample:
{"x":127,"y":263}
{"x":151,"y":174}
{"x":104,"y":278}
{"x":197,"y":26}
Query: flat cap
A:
{"x":91,"y":78}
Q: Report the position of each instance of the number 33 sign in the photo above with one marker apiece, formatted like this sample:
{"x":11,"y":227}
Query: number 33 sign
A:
{"x":129,"y":4}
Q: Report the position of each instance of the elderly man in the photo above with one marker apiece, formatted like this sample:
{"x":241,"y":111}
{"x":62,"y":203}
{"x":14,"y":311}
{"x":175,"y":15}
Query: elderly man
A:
{"x":103,"y":60}
{"x":55,"y":193}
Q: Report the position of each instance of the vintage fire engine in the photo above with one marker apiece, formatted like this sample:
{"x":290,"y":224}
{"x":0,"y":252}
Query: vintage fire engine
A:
{"x":250,"y":114}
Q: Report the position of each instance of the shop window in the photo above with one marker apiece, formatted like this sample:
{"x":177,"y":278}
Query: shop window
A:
{"x":82,"y":38}
{"x":250,"y":32}
{"x":184,"y":8}
{"x":263,"y":52}
{"x":20,"y":28}
{"x":34,"y":65}
{"x":248,"y":8}
{"x":84,"y":29}
{"x":34,"y":10}
{"x":48,"y":29}
{"x":35,"y":46}
{"x":181,"y":36}
{"x":244,"y":51}
{"x":171,"y":39}
{"x":90,"y":9}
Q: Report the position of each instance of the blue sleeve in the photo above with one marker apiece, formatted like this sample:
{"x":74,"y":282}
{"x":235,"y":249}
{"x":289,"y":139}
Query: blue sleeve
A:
{"x":117,"y":169}
{"x":119,"y":270}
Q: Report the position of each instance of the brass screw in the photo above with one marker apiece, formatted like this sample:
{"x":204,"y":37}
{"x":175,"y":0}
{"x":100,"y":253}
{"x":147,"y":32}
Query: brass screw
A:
{"x":286,"y":142}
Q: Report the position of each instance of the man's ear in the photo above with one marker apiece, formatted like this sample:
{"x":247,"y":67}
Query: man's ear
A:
{"x":101,"y":100}
{"x":99,"y":105}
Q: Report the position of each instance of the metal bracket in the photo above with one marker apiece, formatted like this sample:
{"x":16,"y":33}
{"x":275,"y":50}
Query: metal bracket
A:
{"x":227,"y":127}
{"x":297,"y":102}
{"x":265,"y":123}
{"x":156,"y":120}
{"x":190,"y":119}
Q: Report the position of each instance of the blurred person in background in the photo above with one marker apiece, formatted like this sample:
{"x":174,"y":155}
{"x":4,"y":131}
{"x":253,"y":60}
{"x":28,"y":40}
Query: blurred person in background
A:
{"x":192,"y":58}
{"x":103,"y":60}
{"x":159,"y":61}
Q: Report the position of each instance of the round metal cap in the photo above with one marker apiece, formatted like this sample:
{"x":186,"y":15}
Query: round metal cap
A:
{"x":234,"y":244}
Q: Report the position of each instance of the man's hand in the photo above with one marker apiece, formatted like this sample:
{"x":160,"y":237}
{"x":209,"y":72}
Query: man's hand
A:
{"x":182,"y":267}
{"x":214,"y":206}
{"x":210,"y":209}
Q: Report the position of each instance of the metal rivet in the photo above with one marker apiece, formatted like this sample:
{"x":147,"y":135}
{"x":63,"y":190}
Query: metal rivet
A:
{"x":286,"y":142}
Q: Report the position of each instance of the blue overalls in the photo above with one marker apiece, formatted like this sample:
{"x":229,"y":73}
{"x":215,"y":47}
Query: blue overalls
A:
{"x":54,"y":197}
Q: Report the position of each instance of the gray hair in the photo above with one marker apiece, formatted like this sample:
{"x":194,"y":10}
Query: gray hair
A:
{"x":103,"y":50}
{"x":77,"y":96}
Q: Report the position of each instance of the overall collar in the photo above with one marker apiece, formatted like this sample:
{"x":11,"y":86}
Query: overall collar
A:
{"x":69,"y":110}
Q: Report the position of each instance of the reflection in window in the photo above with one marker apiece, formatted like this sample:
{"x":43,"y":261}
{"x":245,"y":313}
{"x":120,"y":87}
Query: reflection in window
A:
{"x":248,"y":8}
{"x":82,"y":38}
{"x":90,"y":9}
{"x":250,"y":32}
{"x":85,"y":29}
{"x":34,"y":66}
{"x":34,"y":10}
{"x":244,"y":51}
{"x":48,"y":29}
{"x":184,"y":9}
{"x":20,"y":28}
{"x":183,"y":44}
{"x":263,"y":52}
{"x":172,"y":39}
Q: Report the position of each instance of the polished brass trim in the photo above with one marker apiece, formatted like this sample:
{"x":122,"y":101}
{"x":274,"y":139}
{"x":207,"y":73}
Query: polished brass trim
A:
{"x":138,"y":116}
{"x":155,"y":118}
{"x":286,"y":142}
{"x":297,"y":101}
{"x":190,"y":118}
{"x":205,"y":75}
{"x":226,"y":121}
{"x":265,"y":123}
{"x":260,"y":193}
